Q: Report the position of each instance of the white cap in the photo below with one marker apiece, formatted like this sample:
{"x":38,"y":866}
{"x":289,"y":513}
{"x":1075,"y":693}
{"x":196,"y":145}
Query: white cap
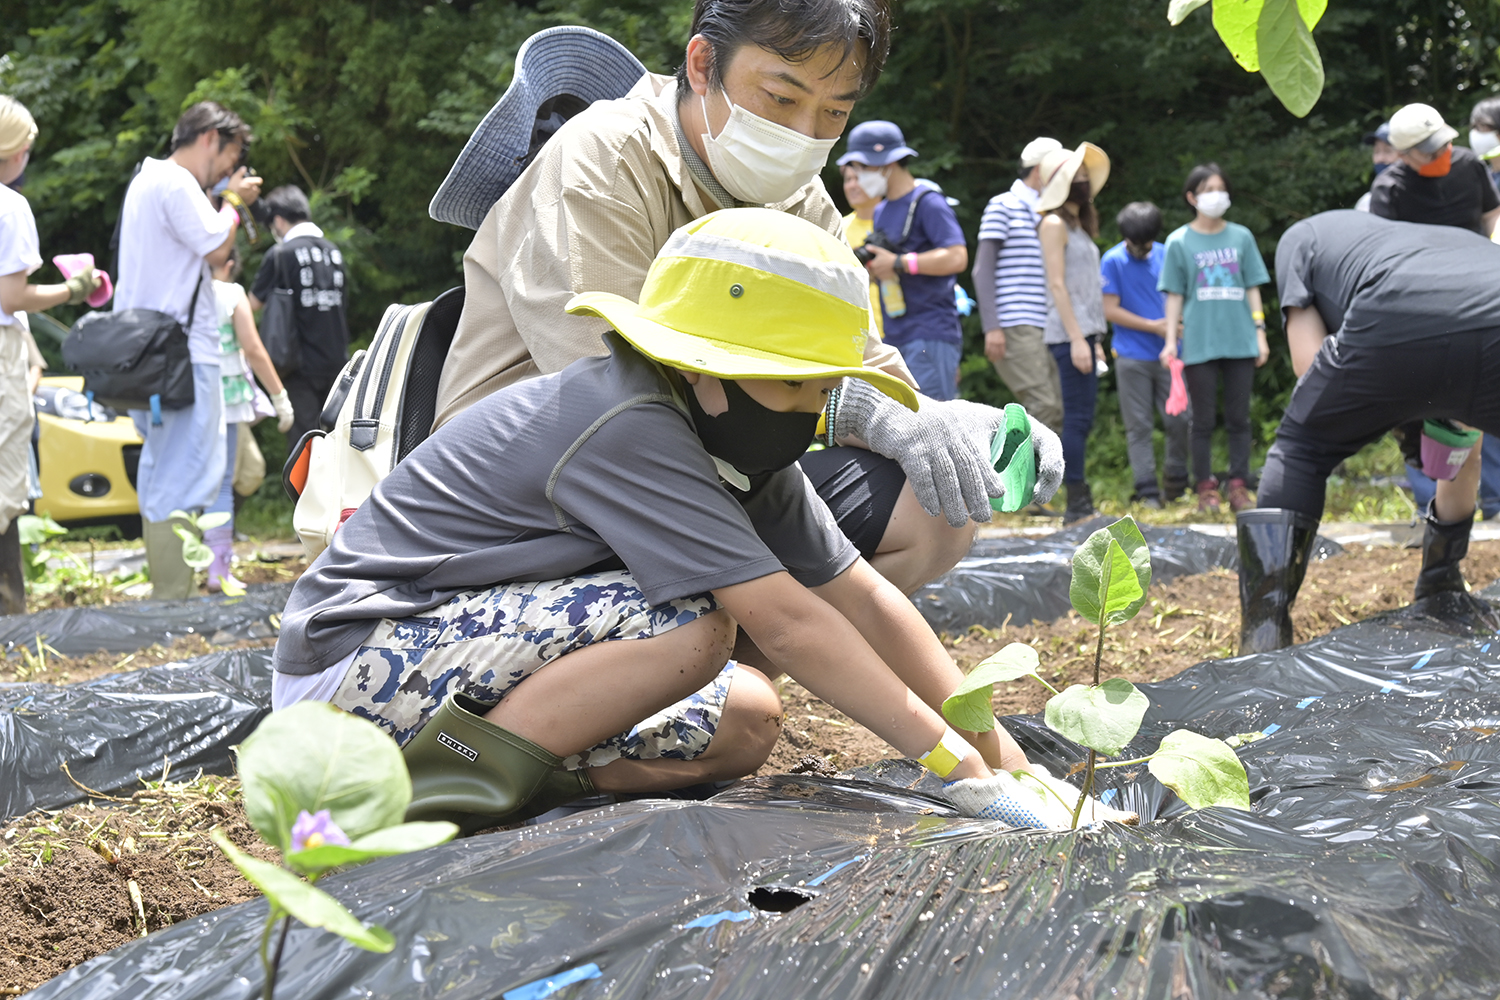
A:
{"x":1036,"y":149}
{"x":1419,"y":125}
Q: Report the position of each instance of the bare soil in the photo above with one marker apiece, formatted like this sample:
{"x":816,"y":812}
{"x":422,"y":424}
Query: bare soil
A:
{"x":72,"y":669}
{"x":79,"y":882}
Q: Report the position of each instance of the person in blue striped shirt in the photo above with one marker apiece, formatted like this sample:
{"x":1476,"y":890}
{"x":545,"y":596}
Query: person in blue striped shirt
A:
{"x":1011,"y":288}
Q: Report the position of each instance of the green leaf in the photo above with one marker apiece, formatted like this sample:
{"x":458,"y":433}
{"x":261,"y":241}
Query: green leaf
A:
{"x":1312,"y":11}
{"x":214,"y":520}
{"x":312,"y":756}
{"x":1235,"y":21}
{"x":34,"y":529}
{"x":307,"y":903}
{"x":194,"y":552}
{"x":1111,"y":571}
{"x":1179,"y":9}
{"x":969,"y":705}
{"x":1204,"y":772}
{"x":400,"y":839}
{"x":1103,"y":717}
{"x":1289,"y":57}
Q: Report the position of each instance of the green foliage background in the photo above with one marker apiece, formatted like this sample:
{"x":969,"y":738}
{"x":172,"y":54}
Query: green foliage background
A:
{"x":366,"y":104}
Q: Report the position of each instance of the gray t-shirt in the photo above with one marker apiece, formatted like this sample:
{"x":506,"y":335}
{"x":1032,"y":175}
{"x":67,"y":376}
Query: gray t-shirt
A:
{"x":1377,"y":282}
{"x":593,"y":467}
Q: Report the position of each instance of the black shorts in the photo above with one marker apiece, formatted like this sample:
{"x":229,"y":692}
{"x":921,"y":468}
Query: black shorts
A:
{"x":860,"y":487}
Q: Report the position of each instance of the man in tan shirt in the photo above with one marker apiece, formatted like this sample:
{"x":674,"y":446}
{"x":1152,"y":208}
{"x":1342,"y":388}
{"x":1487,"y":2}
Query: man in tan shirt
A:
{"x":602,"y":196}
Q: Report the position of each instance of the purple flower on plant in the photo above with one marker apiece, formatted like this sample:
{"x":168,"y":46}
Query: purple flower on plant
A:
{"x":316,"y":830}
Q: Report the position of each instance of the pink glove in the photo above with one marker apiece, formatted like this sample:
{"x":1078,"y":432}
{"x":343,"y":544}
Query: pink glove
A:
{"x":71,"y":263}
{"x":1177,"y":398}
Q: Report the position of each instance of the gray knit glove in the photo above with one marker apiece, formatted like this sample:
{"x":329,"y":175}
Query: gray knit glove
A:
{"x":1049,"y":461}
{"x":943,"y":448}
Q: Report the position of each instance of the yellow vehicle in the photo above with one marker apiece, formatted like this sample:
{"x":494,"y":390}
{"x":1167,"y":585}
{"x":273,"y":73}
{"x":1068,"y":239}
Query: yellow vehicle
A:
{"x":86,"y":457}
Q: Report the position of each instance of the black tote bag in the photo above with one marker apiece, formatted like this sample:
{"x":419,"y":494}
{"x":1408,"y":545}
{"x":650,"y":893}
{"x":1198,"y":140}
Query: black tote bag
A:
{"x":131,"y":357}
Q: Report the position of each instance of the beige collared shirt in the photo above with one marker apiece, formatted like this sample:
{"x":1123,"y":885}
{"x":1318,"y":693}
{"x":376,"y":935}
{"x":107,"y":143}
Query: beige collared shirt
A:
{"x":589,"y":214}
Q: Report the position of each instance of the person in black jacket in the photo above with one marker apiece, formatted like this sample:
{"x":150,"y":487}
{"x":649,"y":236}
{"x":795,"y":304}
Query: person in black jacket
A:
{"x":1388,"y":323}
{"x":308,"y":267}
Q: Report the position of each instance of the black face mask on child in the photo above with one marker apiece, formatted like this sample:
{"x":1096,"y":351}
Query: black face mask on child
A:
{"x":750,"y":437}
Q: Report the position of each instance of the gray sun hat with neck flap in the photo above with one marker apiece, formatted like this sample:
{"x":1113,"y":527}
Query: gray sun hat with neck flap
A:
{"x":559,"y":72}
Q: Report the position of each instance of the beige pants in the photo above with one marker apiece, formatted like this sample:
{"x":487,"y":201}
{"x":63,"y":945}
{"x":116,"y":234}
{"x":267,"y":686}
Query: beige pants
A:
{"x":16,"y":418}
{"x":1030,"y":372}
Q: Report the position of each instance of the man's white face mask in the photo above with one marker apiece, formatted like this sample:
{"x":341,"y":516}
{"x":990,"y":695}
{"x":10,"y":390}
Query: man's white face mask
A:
{"x":759,"y":161}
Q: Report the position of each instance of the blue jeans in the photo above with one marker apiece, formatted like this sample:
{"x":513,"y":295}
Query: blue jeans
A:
{"x":934,"y":364}
{"x":182,"y":461}
{"x":1079,"y":392}
{"x":1424,"y":489}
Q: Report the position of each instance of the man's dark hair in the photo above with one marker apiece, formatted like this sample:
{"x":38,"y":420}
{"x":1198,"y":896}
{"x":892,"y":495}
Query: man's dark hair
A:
{"x":210,"y":116}
{"x":289,"y":202}
{"x":794,"y":30}
{"x":1201,"y":173}
{"x":1139,"y":222}
{"x":1486,"y":113}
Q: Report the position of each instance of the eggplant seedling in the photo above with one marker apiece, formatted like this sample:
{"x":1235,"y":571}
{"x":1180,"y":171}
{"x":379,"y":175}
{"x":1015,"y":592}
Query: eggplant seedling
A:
{"x":327,"y":790}
{"x":1111,"y":572}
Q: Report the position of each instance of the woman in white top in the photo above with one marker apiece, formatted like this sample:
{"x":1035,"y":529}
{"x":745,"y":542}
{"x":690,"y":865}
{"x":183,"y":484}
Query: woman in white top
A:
{"x":20,"y":363}
{"x":241,"y":353}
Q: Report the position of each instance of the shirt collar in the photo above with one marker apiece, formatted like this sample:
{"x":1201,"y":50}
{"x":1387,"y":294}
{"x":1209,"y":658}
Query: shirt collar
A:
{"x":302,"y":229}
{"x":699,"y":169}
{"x":1024,"y":191}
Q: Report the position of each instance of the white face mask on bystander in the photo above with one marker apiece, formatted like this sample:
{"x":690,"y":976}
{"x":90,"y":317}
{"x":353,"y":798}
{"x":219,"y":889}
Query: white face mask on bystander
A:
{"x":872,"y":183}
{"x":759,"y":161}
{"x":1213,"y":203}
{"x":1483,"y":143}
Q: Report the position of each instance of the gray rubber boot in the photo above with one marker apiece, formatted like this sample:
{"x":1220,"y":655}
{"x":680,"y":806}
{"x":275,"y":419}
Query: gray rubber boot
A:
{"x":1275,"y":545}
{"x":171,"y":578}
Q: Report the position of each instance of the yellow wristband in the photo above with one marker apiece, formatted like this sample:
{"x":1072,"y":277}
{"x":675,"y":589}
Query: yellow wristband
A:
{"x":947,"y":755}
{"x":1258,"y":316}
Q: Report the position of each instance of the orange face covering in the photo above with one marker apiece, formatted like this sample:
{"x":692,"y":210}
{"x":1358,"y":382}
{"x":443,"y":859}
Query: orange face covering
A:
{"x":1440,"y":165}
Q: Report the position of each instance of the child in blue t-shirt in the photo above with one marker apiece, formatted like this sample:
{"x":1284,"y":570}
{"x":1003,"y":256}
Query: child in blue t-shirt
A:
{"x":1211,"y":275}
{"x":1130,"y":270}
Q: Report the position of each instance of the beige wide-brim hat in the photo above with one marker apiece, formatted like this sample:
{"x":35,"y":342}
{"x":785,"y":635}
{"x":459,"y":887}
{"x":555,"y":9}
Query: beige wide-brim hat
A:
{"x":1059,"y":168}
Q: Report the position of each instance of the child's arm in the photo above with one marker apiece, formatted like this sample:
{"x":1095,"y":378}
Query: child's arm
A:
{"x":1263,"y":349}
{"x":1120,"y":316}
{"x":898,"y":635}
{"x":808,"y":638}
{"x":1174,"y":323}
{"x":255,"y":350}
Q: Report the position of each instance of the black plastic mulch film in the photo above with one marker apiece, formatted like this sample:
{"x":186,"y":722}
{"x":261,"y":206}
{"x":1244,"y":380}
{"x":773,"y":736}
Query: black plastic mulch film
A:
{"x":1369,"y":868}
{"x":1026,"y":578}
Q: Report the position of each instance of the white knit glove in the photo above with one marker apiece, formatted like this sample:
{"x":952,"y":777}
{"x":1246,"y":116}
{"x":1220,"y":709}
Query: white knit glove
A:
{"x":284,"y":415}
{"x":1020,"y":801}
{"x":947,"y":469}
{"x":944,"y":448}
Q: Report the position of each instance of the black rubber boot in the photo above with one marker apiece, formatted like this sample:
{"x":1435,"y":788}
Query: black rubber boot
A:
{"x":1275,"y":545}
{"x":473,"y":773}
{"x":1080,"y":503}
{"x":12,"y":576}
{"x":1444,"y":545}
{"x":1173,"y":487}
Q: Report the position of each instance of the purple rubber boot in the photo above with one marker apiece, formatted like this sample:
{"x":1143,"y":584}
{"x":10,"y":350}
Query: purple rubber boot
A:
{"x":220,"y":542}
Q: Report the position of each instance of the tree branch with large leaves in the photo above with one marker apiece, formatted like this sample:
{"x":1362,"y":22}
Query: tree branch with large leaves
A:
{"x":1273,"y":38}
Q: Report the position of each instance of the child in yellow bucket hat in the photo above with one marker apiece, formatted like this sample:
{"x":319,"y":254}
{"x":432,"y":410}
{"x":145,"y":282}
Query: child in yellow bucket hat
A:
{"x":651,"y":497}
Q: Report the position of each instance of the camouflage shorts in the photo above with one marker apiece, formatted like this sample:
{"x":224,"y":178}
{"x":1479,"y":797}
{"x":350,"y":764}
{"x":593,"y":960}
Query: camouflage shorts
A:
{"x":483,"y":643}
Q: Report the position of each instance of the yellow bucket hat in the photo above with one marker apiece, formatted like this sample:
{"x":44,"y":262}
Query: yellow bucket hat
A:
{"x":749,"y":293}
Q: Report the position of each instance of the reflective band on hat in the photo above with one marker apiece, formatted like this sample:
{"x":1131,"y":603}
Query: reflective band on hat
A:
{"x":947,"y":755}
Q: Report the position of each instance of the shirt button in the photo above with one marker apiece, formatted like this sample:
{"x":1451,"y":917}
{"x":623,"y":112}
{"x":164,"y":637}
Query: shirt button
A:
{"x":736,"y":290}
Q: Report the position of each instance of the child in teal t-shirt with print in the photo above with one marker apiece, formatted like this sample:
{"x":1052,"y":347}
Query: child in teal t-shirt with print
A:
{"x":1212,"y":277}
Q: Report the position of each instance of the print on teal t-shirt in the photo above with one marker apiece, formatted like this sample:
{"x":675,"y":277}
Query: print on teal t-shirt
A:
{"x":1211,"y":273}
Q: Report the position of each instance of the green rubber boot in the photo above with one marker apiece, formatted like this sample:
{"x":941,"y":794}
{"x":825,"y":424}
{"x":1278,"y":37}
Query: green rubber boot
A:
{"x":560,"y":787}
{"x":471,"y":772}
{"x":171,"y":577}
